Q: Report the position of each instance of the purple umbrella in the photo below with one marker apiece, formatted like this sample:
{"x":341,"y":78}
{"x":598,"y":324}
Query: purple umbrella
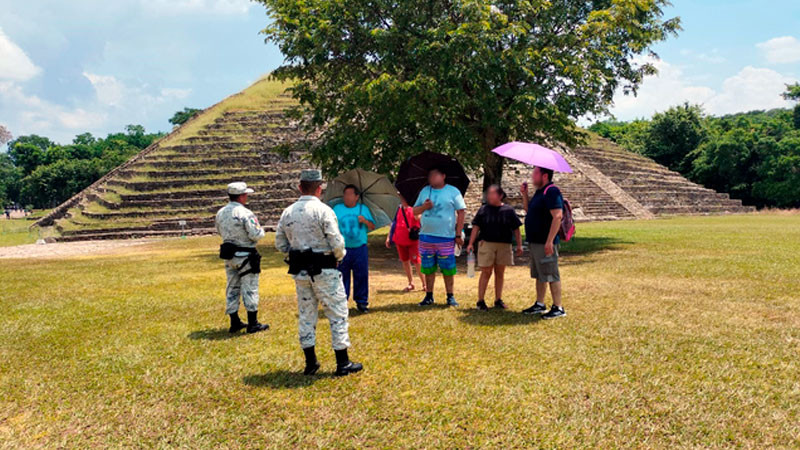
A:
{"x":535,"y":155}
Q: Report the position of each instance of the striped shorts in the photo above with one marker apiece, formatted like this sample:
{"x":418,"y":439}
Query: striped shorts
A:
{"x":437,"y":254}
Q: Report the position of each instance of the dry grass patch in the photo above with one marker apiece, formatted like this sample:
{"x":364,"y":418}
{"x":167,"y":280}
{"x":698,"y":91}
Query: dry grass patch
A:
{"x":681,"y":333}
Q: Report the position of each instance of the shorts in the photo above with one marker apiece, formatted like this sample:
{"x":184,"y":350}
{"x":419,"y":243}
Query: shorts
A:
{"x":409,"y":252}
{"x":494,"y":254}
{"x":439,"y":255}
{"x":544,"y":268}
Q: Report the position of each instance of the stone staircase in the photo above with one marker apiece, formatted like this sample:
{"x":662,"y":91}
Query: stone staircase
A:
{"x":174,"y":187}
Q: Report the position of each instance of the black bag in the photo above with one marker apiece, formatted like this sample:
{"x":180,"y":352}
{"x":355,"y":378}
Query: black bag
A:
{"x":227,"y":250}
{"x":413,"y":232}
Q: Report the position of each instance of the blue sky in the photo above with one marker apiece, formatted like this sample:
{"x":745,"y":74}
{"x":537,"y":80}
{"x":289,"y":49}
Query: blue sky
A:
{"x":85,"y":65}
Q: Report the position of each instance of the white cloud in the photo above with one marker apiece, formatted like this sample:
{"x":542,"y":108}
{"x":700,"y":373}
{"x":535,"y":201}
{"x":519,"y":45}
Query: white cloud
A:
{"x":35,"y":115}
{"x":781,"y":50}
{"x":657,"y":93}
{"x":114,"y":105}
{"x":14,"y":63}
{"x":750,"y":89}
{"x":114,"y":93}
{"x":178,"y":7}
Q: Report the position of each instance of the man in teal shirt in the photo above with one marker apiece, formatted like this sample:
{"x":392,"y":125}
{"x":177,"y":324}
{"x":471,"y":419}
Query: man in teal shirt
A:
{"x":443,"y":209}
{"x":355,"y":221}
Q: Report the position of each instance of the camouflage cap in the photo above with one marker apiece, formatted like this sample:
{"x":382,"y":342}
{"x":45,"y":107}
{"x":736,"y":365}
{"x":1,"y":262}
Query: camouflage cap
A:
{"x":310,"y":175}
{"x":239,"y":188}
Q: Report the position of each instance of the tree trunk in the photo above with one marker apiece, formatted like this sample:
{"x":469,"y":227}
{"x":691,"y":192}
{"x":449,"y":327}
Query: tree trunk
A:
{"x":492,"y":163}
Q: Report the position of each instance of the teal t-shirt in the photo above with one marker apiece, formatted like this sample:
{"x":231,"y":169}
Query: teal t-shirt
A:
{"x":441,"y":220}
{"x":355,"y":234}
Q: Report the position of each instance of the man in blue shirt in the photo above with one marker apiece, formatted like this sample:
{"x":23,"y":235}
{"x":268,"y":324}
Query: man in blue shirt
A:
{"x":443,"y":210}
{"x":542,"y":222}
{"x":355,"y":221}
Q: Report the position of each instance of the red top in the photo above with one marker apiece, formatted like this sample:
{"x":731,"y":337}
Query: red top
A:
{"x":400,"y":230}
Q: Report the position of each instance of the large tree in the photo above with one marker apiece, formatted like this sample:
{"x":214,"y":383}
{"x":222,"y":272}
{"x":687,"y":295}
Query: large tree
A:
{"x":386,"y":79}
{"x":793,"y":93}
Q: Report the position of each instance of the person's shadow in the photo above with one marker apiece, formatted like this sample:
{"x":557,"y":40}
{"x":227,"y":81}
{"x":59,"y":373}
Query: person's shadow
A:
{"x":497,"y":317}
{"x":284,"y":379}
{"x":214,"y":334}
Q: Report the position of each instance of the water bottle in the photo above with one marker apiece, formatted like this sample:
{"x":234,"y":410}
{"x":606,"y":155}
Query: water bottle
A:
{"x":471,"y":265}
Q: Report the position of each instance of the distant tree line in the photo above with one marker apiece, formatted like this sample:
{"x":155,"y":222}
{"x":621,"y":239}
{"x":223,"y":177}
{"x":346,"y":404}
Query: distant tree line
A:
{"x":37,"y":172}
{"x":754,"y":156}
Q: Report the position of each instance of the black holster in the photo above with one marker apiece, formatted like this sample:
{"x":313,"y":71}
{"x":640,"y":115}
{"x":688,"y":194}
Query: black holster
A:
{"x":310,"y":261}
{"x":228,"y":251}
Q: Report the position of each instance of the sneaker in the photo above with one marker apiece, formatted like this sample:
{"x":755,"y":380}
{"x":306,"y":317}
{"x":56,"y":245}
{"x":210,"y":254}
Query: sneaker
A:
{"x":362,"y":308}
{"x":499,"y":304}
{"x":451,"y":301}
{"x":428,"y":301}
{"x":537,"y":308}
{"x":482,"y":306}
{"x":554,"y":312}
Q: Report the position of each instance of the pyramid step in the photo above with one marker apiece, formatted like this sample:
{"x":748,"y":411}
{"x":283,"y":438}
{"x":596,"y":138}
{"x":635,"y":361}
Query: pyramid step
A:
{"x":287,"y":191}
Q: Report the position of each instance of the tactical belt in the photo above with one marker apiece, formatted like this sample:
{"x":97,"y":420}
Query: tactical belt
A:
{"x":228,"y":251}
{"x":310,"y":261}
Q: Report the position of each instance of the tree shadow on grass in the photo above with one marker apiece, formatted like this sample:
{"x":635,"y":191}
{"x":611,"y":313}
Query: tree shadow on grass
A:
{"x":406,"y":307}
{"x":214,"y":334}
{"x":283,"y":379}
{"x":497,"y":317}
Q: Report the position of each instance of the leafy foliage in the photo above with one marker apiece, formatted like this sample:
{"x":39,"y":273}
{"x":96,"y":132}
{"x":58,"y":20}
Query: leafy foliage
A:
{"x":36,"y":171}
{"x":181,"y":117}
{"x":754,"y":156}
{"x":386,"y":79}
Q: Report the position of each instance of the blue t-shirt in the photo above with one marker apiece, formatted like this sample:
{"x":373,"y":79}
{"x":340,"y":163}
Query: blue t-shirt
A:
{"x":355,"y":233}
{"x":441,"y":220}
{"x":539,"y":219}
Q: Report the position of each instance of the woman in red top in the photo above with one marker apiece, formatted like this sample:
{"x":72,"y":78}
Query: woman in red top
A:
{"x":407,"y":244}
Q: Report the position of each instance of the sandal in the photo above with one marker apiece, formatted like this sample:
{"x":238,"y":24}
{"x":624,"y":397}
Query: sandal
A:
{"x":409,"y":288}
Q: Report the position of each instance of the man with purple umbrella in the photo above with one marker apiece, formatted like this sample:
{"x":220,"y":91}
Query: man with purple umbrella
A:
{"x":544,"y":211}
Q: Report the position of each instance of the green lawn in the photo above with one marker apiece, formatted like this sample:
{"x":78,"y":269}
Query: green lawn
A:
{"x":680,"y":333}
{"x":15,"y":232}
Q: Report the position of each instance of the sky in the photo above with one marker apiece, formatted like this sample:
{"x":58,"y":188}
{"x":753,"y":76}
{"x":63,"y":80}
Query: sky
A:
{"x":68,"y":67}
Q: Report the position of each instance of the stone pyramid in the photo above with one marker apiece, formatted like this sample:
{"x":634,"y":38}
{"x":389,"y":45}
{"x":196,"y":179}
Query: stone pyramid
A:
{"x":174,"y":187}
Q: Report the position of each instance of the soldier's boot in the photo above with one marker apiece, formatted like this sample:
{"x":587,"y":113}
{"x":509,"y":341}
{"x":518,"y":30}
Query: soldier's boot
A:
{"x":236,"y":323}
{"x":343,"y":364}
{"x":312,"y":366}
{"x":253,"y":326}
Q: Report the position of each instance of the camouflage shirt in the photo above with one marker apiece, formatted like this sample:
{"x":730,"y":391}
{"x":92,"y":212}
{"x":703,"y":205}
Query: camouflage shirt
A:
{"x":309,"y":223}
{"x":237,"y":224}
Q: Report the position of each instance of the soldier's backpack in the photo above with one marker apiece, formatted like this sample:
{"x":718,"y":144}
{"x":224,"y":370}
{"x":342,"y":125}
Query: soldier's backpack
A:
{"x":567,"y":229}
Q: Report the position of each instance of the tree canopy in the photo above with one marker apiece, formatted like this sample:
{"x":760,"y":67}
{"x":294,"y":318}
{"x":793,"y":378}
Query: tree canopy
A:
{"x":181,"y":117}
{"x":384,"y":80}
{"x":754,"y":156}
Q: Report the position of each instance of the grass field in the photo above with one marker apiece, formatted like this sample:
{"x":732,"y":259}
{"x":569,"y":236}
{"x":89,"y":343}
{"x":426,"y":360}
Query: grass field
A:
{"x":16,"y":232}
{"x":680,"y":333}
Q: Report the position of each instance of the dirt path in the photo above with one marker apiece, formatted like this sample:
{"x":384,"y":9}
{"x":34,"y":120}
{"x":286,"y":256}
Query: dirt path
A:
{"x":65,"y":249}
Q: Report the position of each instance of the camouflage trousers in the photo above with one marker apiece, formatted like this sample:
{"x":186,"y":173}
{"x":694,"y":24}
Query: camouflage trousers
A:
{"x":327,"y":288}
{"x":244,"y":286}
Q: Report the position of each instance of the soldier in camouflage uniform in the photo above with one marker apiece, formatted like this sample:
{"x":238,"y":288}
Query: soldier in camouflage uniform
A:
{"x":239,"y":228}
{"x":309,"y":227}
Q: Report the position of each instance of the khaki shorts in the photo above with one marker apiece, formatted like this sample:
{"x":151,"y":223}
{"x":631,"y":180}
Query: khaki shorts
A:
{"x":544,"y":268}
{"x":494,"y":254}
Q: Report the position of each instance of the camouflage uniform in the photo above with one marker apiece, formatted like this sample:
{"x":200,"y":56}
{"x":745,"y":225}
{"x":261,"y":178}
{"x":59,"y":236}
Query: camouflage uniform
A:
{"x":238,"y":225}
{"x":309,"y":223}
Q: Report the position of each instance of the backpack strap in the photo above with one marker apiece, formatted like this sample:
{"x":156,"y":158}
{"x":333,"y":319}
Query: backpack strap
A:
{"x":402,"y":211}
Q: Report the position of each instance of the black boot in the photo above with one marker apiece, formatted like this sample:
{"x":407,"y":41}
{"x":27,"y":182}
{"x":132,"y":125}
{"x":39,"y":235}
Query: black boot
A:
{"x":312,"y":366}
{"x":343,"y":364}
{"x":252,"y":323}
{"x":236,"y":323}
